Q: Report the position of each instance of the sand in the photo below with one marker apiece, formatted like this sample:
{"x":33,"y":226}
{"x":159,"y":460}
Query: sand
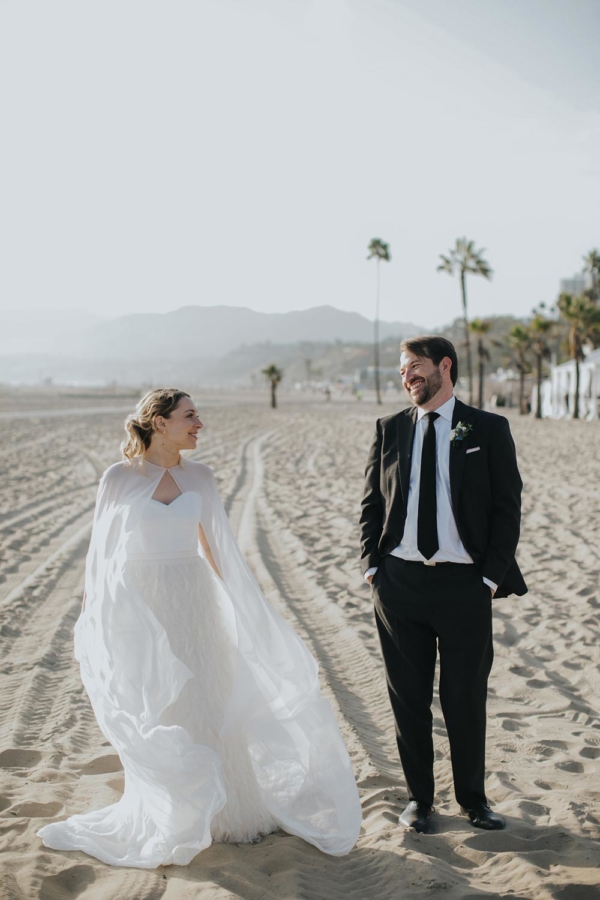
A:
{"x":292,"y":481}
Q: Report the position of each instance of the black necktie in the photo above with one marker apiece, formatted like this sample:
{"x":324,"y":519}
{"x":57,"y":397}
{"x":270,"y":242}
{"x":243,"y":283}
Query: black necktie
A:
{"x":427,"y":535}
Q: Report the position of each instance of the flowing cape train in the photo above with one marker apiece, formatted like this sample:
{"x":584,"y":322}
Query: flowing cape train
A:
{"x":131,"y":676}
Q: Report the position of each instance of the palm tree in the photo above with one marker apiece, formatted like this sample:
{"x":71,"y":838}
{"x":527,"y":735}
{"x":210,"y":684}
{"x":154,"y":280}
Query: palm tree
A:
{"x":519,"y":339}
{"x":592,"y":265}
{"x":464,"y":258}
{"x":480,"y":327}
{"x":378,"y":250}
{"x":539,"y":328}
{"x":582,"y":316}
{"x":274,"y":375}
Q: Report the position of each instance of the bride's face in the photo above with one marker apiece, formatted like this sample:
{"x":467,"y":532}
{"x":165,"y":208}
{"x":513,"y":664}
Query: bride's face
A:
{"x":181,"y":429}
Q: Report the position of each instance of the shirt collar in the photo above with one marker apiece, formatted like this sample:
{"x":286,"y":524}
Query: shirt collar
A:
{"x":446,"y":410}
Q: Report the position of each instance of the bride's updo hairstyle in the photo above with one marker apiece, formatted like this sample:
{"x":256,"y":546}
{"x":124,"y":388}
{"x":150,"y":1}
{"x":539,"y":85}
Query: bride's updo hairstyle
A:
{"x":140,"y":425}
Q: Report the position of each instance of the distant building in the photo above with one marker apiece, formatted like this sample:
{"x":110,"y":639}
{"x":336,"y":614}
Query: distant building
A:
{"x":575,"y":285}
{"x":558,"y":392}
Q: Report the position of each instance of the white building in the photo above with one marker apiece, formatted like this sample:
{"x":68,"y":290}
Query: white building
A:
{"x":558,"y":393}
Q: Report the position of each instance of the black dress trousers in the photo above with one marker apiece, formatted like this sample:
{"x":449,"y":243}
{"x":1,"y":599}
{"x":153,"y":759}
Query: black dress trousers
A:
{"x":419,"y":610}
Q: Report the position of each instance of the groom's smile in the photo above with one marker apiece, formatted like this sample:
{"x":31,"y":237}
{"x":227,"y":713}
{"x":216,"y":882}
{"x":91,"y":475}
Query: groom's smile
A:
{"x":421,"y":378}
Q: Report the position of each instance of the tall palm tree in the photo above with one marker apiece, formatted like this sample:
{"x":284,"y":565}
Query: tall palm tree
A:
{"x":582,"y":316}
{"x":378,"y":250}
{"x":480,"y":327}
{"x":465,"y":259}
{"x":539,"y":329}
{"x":274,"y":375}
{"x":519,"y":338}
{"x":592,"y":265}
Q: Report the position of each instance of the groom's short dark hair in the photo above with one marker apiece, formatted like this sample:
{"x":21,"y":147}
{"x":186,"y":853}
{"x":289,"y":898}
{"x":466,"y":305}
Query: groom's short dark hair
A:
{"x":434,"y":348}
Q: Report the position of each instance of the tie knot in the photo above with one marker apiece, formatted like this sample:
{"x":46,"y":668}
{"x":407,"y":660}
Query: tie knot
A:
{"x":432,"y":416}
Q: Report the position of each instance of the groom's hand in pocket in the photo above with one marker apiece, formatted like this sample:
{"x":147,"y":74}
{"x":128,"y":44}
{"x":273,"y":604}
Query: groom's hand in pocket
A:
{"x":493,"y":587}
{"x":370,"y":574}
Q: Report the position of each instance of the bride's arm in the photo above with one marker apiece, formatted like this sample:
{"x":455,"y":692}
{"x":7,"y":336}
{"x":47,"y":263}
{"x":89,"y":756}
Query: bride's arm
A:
{"x":207,"y":550}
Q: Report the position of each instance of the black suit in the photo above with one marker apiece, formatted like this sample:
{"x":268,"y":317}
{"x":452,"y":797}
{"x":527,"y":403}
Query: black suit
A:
{"x":422,"y":608}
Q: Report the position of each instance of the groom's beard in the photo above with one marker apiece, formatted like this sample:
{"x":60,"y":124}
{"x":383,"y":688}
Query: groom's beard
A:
{"x":422,"y":390}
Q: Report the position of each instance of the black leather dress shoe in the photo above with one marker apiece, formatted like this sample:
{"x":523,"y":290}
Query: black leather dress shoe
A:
{"x":416,"y":816}
{"x":481,"y":816}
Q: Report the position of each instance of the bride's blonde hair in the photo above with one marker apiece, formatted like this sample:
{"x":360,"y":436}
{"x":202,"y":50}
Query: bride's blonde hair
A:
{"x":140,"y":425}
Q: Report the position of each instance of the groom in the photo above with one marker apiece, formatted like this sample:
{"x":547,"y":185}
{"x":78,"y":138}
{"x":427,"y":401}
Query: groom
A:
{"x":439,"y":529}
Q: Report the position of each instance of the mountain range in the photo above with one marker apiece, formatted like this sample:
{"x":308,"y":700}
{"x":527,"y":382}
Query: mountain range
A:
{"x":213,"y":331}
{"x":137,"y":347}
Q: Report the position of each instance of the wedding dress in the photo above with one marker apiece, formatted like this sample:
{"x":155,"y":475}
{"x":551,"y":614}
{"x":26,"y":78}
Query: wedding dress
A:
{"x":209,"y":697}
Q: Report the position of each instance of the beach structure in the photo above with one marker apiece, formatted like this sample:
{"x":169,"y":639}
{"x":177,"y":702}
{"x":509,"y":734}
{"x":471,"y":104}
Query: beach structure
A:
{"x":558,"y":392}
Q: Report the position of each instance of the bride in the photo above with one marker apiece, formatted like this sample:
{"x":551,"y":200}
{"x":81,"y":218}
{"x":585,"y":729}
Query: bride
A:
{"x":209,"y":697}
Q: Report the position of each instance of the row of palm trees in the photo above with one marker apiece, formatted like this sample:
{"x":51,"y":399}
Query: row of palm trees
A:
{"x":574,"y":321}
{"x":462,"y":259}
{"x":581,"y":315}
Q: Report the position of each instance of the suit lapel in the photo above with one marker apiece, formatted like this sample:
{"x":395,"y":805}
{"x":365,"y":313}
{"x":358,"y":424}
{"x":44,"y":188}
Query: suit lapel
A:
{"x":406,"y":433}
{"x":462,"y":413}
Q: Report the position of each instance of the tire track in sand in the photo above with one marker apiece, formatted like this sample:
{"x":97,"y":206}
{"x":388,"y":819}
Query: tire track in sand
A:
{"x":355,"y":696}
{"x":360,"y":694}
{"x":51,"y":740}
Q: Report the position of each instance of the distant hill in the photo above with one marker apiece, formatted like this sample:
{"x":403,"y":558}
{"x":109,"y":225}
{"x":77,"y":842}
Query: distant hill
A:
{"x":209,"y":331}
{"x":213,"y":331}
{"x":219,"y":346}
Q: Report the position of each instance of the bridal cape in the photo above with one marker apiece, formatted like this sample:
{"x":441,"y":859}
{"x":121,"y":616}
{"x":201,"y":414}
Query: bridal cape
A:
{"x":132,"y":676}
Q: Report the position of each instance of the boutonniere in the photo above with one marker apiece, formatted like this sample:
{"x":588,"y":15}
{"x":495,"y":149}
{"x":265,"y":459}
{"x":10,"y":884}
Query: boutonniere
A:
{"x":459,"y":433}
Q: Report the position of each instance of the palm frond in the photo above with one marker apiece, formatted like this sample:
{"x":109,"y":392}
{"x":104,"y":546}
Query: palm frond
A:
{"x":378,"y":249}
{"x":466,"y":258}
{"x":445,"y":265}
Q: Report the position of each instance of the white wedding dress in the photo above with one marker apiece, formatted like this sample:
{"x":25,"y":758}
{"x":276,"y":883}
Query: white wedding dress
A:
{"x":195,"y":771}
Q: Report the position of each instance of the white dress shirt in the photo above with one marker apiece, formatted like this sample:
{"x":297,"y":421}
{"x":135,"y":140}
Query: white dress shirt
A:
{"x":451,"y":548}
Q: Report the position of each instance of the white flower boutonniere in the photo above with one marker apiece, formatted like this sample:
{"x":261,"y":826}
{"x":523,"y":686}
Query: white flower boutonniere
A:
{"x":459,"y":433}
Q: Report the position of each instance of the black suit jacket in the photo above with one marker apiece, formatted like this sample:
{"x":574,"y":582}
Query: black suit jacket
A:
{"x":485,"y":487}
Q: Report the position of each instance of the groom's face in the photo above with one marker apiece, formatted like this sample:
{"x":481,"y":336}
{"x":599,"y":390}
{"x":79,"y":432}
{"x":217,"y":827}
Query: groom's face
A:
{"x":421,"y":378}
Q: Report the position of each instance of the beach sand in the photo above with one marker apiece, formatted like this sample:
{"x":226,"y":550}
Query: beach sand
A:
{"x":292,"y":480}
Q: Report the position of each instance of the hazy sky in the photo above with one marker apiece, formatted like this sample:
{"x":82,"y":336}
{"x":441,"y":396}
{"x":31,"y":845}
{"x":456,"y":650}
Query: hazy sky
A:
{"x":156,"y":155}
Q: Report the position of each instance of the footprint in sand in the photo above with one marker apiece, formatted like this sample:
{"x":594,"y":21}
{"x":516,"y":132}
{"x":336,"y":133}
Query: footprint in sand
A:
{"x":570,"y":765}
{"x":522,"y":671}
{"x":7,"y":630}
{"x":533,"y":810}
{"x":578,"y":892}
{"x":35,"y":810}
{"x":19,"y":759}
{"x":590,"y":752}
{"x":102,"y":765}
{"x":512,"y":725}
{"x":68,"y":883}
{"x":555,"y":745}
{"x":537,"y":684}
